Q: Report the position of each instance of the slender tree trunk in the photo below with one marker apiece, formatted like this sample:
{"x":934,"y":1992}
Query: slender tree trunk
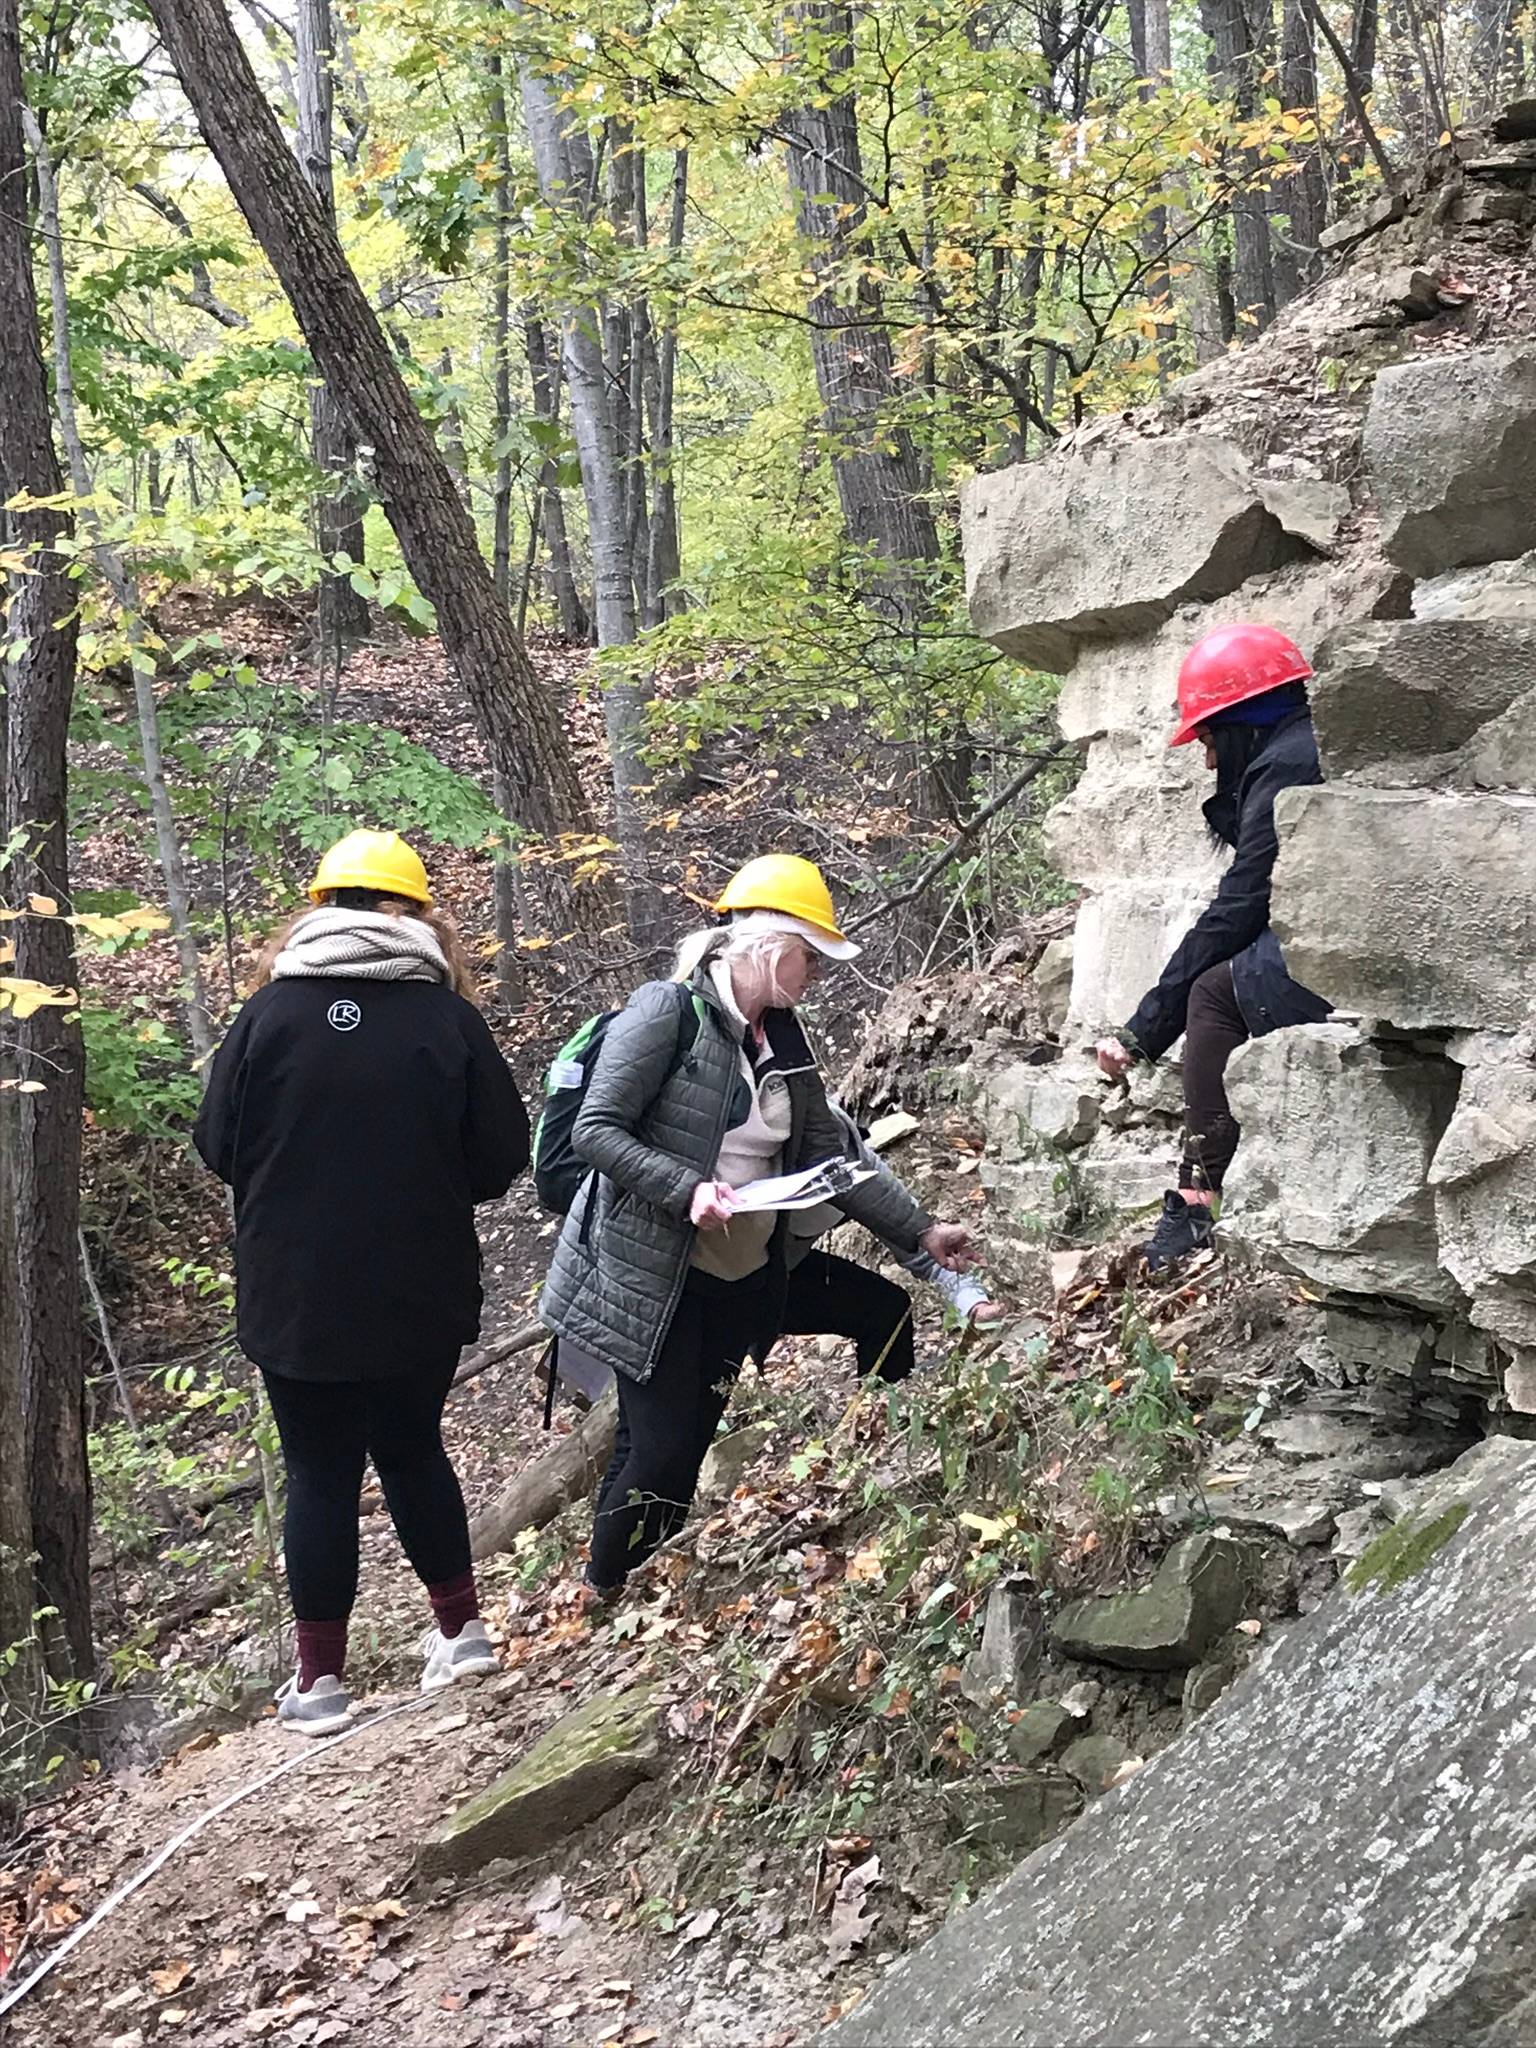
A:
{"x":1152,"y":56}
{"x":1302,"y":194}
{"x":873,"y":460}
{"x":501,"y":336}
{"x":338,"y":512}
{"x":126,"y":596}
{"x":665,"y":597}
{"x":1241,"y":32}
{"x":520,"y":720}
{"x":562,"y":162}
{"x":45,"y":1495}
{"x":570,"y":606}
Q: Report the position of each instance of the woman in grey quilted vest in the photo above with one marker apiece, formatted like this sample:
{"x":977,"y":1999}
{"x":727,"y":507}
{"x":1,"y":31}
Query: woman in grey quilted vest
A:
{"x":657,"y":1272}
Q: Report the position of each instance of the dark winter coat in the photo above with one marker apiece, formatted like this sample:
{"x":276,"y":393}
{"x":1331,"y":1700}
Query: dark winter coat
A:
{"x":359,"y":1122}
{"x":652,"y":1131}
{"x":1235,"y":924}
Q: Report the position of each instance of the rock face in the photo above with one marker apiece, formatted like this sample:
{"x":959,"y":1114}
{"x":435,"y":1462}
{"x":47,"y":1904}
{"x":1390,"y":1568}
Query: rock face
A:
{"x":1403,"y":892}
{"x":1195,"y":1596}
{"x":1393,"y":701}
{"x":1450,"y":444}
{"x":1417,"y":909}
{"x":1342,"y":1849}
{"x":1332,"y":1180}
{"x":585,"y":1764}
{"x":1111,"y":540}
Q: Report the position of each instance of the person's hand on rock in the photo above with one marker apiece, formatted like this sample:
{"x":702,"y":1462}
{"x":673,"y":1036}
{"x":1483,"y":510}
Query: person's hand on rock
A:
{"x":1115,"y":1059}
{"x":949,"y":1245}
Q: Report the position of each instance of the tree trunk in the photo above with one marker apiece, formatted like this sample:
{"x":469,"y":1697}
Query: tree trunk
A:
{"x":1301,"y":194}
{"x":125,"y":595}
{"x":1241,"y":32}
{"x":45,"y":1496}
{"x":338,"y":513}
{"x":562,"y":161}
{"x":501,"y":337}
{"x":521,"y":721}
{"x":1152,"y":56}
{"x":664,"y":567}
{"x":873,"y":460}
{"x":570,"y":606}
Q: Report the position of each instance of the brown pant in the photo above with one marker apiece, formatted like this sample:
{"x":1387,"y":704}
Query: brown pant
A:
{"x":1213,"y":1030}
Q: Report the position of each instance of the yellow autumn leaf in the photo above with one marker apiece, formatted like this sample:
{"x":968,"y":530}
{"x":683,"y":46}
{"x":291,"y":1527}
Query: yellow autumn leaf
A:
{"x":24,"y":997}
{"x":987,"y":1530}
{"x":42,"y":906}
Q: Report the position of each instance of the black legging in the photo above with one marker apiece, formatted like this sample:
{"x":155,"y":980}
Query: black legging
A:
{"x":831,"y":1297}
{"x":328,"y":1429}
{"x":666,"y":1423}
{"x":1213,"y":1030}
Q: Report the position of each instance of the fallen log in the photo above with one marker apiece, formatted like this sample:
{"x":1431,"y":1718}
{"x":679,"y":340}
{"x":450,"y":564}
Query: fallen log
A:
{"x":500,"y":1349}
{"x":541,"y":1490}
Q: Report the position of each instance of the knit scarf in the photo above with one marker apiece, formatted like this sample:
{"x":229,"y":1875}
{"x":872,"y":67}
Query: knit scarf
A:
{"x":368,"y":945}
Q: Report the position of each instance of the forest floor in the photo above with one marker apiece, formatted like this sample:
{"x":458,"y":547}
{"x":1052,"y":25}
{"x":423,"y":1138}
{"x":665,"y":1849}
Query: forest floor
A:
{"x":738,"y":1901}
{"x":828,"y":1782}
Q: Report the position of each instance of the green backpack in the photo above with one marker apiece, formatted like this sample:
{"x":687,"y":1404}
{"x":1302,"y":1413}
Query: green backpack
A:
{"x":558,"y":1171}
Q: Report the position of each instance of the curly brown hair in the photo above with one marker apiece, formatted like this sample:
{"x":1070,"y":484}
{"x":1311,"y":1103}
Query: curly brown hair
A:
{"x":461,"y":977}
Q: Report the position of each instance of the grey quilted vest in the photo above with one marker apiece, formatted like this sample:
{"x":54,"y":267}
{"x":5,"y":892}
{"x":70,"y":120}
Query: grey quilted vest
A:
{"x":651,"y":1134}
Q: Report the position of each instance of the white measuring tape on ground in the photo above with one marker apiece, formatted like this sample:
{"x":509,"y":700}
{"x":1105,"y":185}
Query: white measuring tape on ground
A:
{"x":314,"y":1748}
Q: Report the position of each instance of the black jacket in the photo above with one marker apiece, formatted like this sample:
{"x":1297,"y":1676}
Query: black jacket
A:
{"x":1235,"y":924}
{"x":358,"y":1123}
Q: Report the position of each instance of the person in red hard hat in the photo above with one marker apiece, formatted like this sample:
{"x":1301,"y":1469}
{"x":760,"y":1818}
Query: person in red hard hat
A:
{"x":1242,"y":694}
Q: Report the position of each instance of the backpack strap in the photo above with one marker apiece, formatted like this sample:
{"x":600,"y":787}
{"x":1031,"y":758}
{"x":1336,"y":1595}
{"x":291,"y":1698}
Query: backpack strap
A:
{"x":549,"y":1390}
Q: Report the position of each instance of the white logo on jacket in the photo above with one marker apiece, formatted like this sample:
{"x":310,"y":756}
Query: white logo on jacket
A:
{"x":344,"y":1016}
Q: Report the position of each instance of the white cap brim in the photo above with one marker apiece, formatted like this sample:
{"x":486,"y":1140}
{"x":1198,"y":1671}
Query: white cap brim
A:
{"x":781,"y":921}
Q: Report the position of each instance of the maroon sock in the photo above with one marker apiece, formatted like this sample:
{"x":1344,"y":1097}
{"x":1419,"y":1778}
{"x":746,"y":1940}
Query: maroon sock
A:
{"x":454,"y":1602}
{"x":322,"y":1650}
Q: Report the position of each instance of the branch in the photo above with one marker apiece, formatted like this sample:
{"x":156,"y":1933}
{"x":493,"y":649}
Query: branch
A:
{"x":964,"y":836}
{"x":1324,"y":26}
{"x":202,"y":295}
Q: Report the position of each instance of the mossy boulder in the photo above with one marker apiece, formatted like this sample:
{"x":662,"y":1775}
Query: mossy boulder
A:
{"x":1196,"y":1596}
{"x":585,"y":1764}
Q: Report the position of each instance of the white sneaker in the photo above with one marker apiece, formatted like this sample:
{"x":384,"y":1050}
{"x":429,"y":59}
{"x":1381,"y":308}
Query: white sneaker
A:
{"x":324,"y":1709}
{"x":469,"y":1654}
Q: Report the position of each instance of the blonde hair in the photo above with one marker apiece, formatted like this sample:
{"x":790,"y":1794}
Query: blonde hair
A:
{"x":461,"y":976}
{"x":758,"y":951}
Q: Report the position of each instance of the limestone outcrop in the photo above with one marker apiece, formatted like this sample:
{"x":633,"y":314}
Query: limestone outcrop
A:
{"x":1389,"y":1156}
{"x":1342,"y":1848}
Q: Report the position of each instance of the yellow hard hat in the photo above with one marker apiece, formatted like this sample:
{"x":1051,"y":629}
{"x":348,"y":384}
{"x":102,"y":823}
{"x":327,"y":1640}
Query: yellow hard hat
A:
{"x":793,"y":887}
{"x":373,"y":860}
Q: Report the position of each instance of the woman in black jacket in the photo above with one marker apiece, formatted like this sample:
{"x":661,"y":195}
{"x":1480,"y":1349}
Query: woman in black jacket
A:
{"x":1242,"y":692}
{"x":359,"y":1109}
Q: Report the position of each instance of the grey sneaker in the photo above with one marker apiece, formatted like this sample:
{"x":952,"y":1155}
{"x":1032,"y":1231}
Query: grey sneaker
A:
{"x":324,"y":1709}
{"x":469,"y":1654}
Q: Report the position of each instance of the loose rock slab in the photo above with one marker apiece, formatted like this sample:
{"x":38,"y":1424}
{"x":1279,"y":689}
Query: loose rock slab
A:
{"x":586,"y":1763}
{"x":1342,"y":1850}
{"x":1196,"y":1596}
{"x":1109,"y":540}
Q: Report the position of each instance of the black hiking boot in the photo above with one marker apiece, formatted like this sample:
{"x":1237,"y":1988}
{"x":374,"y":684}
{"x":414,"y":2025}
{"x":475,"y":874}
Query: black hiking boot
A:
{"x":1183,"y":1228}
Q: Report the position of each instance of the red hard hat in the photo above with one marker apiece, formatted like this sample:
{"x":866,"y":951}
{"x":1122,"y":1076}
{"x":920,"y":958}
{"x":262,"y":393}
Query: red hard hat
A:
{"x":1228,"y":667}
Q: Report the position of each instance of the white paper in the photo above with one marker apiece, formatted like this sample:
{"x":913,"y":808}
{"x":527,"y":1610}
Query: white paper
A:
{"x":808,"y":1189}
